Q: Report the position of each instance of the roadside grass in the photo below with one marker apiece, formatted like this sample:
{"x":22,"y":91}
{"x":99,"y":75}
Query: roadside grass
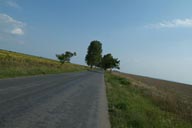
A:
{"x":14,"y":64}
{"x":131,"y":107}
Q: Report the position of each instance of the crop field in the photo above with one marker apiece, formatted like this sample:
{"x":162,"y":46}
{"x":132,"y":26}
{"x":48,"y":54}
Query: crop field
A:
{"x":141,"y":102}
{"x":14,"y":64}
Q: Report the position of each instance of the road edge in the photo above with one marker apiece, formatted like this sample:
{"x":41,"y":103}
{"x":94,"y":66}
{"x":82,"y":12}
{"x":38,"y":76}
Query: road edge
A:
{"x":104,"y":121}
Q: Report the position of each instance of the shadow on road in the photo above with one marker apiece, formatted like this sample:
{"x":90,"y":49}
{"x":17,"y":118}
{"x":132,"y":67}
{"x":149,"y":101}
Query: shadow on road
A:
{"x":96,"y":71}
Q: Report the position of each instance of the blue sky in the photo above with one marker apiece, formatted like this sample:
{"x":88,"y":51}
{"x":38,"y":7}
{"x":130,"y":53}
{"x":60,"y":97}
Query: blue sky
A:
{"x":150,"y":37}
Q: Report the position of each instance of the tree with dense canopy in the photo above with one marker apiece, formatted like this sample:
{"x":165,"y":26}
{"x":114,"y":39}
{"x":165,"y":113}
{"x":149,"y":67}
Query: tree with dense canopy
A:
{"x":94,"y":53}
{"x":108,"y":62}
{"x":65,"y":57}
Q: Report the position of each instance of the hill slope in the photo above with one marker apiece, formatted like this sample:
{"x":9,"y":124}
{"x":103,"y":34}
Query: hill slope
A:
{"x":137,"y":101}
{"x":14,"y":64}
{"x":184,"y":90}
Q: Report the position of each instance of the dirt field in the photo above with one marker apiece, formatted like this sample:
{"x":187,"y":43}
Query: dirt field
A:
{"x":183,"y":90}
{"x":170,"y":96}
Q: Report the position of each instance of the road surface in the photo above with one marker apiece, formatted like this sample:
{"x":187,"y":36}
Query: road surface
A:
{"x":71,"y":100}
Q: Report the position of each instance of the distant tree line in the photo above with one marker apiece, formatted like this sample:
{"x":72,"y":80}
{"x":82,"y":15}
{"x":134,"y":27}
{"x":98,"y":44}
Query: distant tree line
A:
{"x":93,"y":57}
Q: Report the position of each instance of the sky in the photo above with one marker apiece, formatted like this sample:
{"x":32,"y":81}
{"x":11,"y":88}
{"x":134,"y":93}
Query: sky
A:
{"x":150,"y":37}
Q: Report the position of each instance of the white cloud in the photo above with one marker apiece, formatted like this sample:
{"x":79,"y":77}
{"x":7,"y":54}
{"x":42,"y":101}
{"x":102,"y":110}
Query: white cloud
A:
{"x":13,"y":4}
{"x":9,"y":25}
{"x":17,"y":31}
{"x":177,"y":23}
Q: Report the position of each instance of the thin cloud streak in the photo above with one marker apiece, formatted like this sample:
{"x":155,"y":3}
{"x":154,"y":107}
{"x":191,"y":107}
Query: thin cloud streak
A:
{"x":177,"y":23}
{"x":13,"y":4}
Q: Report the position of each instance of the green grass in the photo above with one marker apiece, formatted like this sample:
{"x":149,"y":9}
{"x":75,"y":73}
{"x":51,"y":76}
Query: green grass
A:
{"x":14,"y":64}
{"x":130,"y":108}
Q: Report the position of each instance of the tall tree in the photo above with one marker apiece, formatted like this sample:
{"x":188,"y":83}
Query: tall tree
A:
{"x":65,"y":57}
{"x":94,"y":53}
{"x":108,"y":62}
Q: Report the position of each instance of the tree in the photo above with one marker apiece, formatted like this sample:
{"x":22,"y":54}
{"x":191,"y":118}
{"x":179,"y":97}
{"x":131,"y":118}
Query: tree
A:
{"x":94,"y":53}
{"x":108,"y":62}
{"x":65,"y":57}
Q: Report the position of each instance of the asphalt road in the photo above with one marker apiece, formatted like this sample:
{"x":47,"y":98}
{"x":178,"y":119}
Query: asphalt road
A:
{"x":71,"y":100}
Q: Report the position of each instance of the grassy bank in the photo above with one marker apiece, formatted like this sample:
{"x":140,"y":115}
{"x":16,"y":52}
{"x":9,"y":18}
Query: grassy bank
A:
{"x":130,"y":106}
{"x":14,"y":64}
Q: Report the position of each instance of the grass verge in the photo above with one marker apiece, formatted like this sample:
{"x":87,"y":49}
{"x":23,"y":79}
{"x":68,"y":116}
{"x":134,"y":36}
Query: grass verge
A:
{"x":130,"y":108}
{"x":14,"y":64}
